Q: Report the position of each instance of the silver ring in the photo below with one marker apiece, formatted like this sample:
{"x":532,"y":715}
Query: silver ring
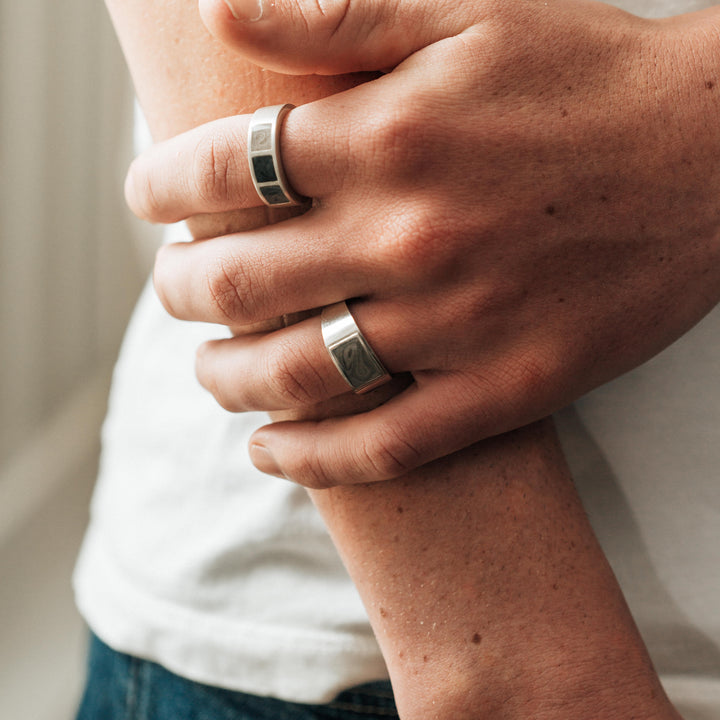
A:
{"x":350,"y":351}
{"x":266,"y":167}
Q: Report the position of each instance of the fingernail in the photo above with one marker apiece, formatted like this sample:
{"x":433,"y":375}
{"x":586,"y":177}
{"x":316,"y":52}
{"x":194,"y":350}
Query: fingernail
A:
{"x":247,"y":10}
{"x":264,"y":461}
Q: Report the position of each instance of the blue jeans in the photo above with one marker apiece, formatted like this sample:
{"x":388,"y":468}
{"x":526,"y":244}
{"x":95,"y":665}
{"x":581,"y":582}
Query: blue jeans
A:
{"x":122,"y":687}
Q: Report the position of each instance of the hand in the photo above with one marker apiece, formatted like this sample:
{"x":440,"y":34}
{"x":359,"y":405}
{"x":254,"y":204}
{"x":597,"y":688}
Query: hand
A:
{"x":523,"y":208}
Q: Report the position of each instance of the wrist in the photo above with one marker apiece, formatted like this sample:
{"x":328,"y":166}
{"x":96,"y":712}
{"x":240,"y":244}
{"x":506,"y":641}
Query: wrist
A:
{"x":560,"y":683}
{"x":513,"y":610}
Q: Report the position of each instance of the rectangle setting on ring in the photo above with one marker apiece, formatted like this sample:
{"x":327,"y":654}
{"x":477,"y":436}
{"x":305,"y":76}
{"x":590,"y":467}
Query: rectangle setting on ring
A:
{"x":357,"y":363}
{"x":266,"y":170}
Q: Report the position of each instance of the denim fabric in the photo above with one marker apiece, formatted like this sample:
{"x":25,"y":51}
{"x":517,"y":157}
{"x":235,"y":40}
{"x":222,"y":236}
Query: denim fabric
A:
{"x":122,"y":687}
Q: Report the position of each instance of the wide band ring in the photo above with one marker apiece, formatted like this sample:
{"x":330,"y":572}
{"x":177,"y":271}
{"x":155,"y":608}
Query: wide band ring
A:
{"x":350,"y":351}
{"x":266,"y":167}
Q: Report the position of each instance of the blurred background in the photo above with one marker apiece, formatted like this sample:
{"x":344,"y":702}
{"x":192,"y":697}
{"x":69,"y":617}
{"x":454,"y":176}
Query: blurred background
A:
{"x":72,"y":261}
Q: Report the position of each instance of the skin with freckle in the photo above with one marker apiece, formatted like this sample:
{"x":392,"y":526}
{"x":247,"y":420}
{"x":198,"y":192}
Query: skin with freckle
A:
{"x":512,"y":239}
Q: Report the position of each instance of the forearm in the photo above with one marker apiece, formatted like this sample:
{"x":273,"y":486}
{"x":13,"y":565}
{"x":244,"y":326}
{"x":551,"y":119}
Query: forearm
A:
{"x":481,"y":576}
{"x":488,"y":591}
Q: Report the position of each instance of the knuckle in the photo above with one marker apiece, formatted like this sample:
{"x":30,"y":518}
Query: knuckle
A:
{"x":308,"y":471}
{"x":534,"y":373}
{"x":385,"y":454}
{"x":413,"y":240}
{"x":324,"y":25}
{"x":395,"y":139}
{"x":291,"y":376}
{"x":213,"y":169}
{"x":423,"y":242}
{"x":312,"y":16}
{"x":230,"y":287}
{"x":531,"y":380}
{"x":340,"y":18}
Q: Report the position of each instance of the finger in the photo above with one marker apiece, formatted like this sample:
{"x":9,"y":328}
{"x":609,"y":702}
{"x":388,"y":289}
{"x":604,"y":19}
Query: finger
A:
{"x":202,"y":170}
{"x":292,"y":368}
{"x":347,"y":147}
{"x":436,"y":416}
{"x":282,"y":370}
{"x":236,"y":280}
{"x":370,"y":447}
{"x":334,"y":36}
{"x":205,"y":170}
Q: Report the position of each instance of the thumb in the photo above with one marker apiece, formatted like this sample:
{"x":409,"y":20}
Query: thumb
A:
{"x":330,"y":37}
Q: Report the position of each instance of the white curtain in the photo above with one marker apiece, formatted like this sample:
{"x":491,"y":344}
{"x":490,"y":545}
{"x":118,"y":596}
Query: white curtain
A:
{"x":68,"y":274}
{"x":68,"y":279}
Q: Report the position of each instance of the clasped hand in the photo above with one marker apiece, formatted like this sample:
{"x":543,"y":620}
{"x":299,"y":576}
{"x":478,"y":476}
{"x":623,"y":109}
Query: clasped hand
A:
{"x":523,"y":206}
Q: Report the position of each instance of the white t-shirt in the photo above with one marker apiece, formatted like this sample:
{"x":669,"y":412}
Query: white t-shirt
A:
{"x":196,"y":560}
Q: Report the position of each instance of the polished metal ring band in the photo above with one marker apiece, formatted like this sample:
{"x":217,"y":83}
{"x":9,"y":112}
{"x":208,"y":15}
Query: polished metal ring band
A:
{"x":266,"y":167}
{"x":350,"y":351}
